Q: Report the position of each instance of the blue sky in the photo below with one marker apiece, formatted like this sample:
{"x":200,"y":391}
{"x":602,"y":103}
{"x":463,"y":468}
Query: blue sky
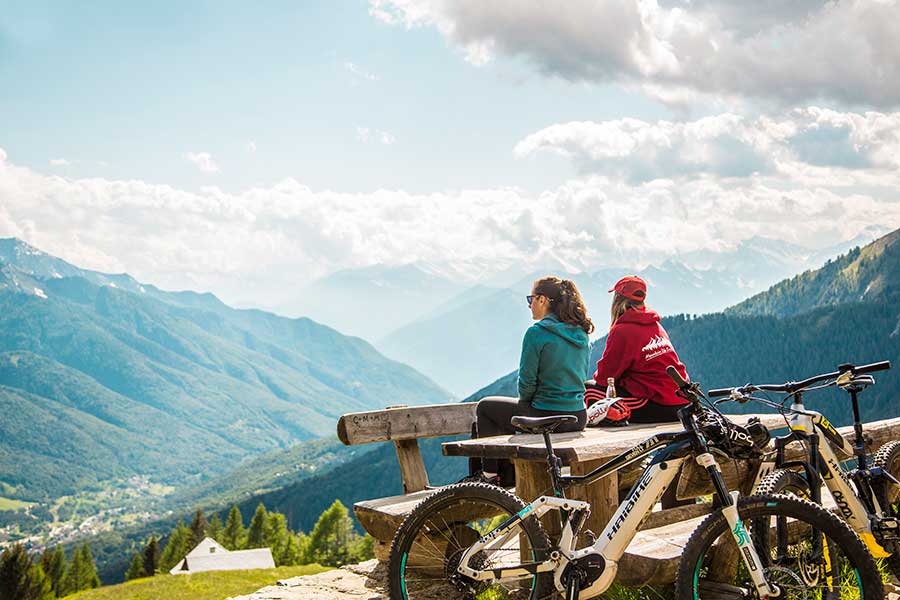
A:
{"x":125,"y":91}
{"x":246,"y":148}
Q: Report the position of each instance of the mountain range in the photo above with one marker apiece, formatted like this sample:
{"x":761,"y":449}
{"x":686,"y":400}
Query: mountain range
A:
{"x":474,"y":336}
{"x":103,"y":377}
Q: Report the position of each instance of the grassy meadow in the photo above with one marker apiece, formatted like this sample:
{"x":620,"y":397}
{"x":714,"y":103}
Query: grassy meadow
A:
{"x":215,"y":585}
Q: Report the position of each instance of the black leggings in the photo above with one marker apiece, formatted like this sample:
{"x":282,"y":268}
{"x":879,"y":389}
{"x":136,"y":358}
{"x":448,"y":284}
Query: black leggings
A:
{"x":493,"y":415}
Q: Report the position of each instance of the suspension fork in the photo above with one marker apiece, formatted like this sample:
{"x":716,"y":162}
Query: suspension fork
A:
{"x":746,"y":550}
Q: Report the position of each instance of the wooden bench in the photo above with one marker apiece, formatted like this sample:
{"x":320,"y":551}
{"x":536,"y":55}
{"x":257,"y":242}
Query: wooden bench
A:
{"x":653,"y":555}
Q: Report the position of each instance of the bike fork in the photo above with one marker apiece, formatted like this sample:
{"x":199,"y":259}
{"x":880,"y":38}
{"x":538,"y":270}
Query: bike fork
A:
{"x":747,"y":550}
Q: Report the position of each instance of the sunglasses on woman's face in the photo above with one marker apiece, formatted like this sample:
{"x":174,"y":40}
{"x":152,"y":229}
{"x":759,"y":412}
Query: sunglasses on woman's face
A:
{"x":529,"y":300}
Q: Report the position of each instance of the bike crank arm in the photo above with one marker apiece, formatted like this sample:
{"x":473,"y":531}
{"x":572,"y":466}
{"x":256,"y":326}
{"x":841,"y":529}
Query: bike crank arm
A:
{"x":747,"y":551}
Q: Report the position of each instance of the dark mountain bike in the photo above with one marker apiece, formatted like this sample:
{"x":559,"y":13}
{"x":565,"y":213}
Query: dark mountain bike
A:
{"x":479,"y":541}
{"x":868,"y":496}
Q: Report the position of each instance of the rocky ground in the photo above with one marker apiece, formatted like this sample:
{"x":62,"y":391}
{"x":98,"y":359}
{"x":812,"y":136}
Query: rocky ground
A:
{"x":365,"y":581}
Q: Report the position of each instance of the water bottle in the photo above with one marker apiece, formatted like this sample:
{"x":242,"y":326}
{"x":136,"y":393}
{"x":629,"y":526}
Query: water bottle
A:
{"x":610,"y":388}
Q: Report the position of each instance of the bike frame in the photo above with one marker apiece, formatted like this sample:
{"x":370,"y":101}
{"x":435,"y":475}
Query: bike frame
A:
{"x":811,"y":427}
{"x":671,"y":451}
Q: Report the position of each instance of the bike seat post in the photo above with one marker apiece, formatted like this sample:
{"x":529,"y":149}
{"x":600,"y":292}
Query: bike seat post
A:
{"x":553,"y":462}
{"x":859,"y":444}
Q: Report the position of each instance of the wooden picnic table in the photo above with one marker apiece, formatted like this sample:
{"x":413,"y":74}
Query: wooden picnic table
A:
{"x":583,"y":452}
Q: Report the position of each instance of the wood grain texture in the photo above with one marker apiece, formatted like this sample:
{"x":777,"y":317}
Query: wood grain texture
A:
{"x":406,"y":423}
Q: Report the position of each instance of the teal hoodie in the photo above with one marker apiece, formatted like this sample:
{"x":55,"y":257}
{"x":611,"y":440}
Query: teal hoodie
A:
{"x":554,"y":364}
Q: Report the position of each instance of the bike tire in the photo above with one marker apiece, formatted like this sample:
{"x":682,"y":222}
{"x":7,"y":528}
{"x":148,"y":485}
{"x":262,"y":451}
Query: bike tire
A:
{"x":406,"y":536}
{"x":784,"y":481}
{"x":888,"y":495}
{"x":845,"y":543}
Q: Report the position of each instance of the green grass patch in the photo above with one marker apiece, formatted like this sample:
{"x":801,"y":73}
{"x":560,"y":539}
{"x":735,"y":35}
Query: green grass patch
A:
{"x":214,"y":585}
{"x":10,"y":504}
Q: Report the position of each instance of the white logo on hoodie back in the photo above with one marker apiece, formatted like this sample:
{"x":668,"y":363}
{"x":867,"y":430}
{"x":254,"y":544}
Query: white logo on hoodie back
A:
{"x":657,"y":346}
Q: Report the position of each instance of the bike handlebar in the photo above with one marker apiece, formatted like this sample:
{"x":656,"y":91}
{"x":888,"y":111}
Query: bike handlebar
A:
{"x":676,"y":376}
{"x":794,"y":386}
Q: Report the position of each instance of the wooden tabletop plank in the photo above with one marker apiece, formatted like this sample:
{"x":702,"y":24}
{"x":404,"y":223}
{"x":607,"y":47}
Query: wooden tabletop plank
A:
{"x":590,"y":444}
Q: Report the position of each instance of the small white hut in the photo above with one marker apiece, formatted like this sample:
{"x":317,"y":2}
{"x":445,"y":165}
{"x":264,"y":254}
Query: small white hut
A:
{"x":209,"y":555}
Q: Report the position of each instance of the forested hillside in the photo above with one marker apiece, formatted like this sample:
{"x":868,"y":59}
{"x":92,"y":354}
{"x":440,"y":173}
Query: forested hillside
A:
{"x":868,"y":274}
{"x":102,"y":381}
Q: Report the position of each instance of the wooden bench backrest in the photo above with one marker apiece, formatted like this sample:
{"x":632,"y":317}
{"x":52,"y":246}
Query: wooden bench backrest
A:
{"x":404,"y":425}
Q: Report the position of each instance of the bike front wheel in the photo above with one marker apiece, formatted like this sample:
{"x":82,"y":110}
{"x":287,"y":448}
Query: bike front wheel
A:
{"x":429,"y":545}
{"x":711,"y":568}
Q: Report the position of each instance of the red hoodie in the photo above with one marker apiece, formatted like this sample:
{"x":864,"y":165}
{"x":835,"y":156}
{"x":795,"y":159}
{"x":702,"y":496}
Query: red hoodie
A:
{"x":637,"y":353}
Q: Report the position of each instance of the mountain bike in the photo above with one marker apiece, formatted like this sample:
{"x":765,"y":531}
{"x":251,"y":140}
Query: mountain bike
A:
{"x":866,"y":496}
{"x":480,"y":541}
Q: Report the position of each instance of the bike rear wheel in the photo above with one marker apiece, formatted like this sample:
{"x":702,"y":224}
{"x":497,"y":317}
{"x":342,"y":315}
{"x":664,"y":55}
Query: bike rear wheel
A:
{"x":888,"y":495}
{"x":711,"y":569}
{"x":428,"y":546}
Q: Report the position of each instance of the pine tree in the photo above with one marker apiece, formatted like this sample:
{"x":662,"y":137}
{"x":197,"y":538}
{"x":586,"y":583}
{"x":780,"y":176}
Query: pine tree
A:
{"x":233,"y":536}
{"x":20,"y":578}
{"x":73,"y":574}
{"x":198,"y":529}
{"x":53,"y":562}
{"x":176,"y":547}
{"x":329,"y":543}
{"x":89,"y":578}
{"x":136,"y":568}
{"x":151,"y":558}
{"x":215,"y":529}
{"x":291,"y":553}
{"x":256,"y":533}
{"x":303,"y":551}
{"x":276,"y":536}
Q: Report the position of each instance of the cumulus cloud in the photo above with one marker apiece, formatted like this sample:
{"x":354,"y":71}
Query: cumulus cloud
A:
{"x":262,"y":244}
{"x":791,"y":52}
{"x":60,"y":162}
{"x":729,"y":145}
{"x":202,"y":160}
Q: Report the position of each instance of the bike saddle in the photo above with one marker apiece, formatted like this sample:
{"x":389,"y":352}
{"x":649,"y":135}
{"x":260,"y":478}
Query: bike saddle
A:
{"x":541,"y":424}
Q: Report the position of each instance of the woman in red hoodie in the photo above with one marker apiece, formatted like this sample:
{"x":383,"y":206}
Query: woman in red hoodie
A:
{"x":637,"y":353}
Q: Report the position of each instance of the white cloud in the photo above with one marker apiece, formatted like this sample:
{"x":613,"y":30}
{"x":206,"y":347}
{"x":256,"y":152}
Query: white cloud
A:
{"x":202,"y":160}
{"x":787,"y":51}
{"x":359,"y":72}
{"x":365,"y":135}
{"x":60,"y":162}
{"x":850,"y":145}
{"x":251,"y":147}
{"x":262,"y":244}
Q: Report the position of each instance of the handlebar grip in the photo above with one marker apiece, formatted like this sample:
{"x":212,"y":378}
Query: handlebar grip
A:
{"x":883,"y":365}
{"x":719,"y":392}
{"x":676,"y":377}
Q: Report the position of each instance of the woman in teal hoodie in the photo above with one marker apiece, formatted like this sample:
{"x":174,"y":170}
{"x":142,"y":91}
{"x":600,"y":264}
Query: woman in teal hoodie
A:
{"x":554,"y":364}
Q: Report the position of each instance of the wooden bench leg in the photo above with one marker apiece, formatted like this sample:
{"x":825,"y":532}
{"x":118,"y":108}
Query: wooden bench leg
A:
{"x":603,"y":495}
{"x":412,"y":467}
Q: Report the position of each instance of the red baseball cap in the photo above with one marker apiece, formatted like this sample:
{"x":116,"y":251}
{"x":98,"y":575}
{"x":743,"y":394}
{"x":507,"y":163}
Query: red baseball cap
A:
{"x":632,"y":287}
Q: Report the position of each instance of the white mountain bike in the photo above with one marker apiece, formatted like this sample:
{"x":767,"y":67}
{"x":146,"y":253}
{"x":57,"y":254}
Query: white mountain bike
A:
{"x":474,"y":540}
